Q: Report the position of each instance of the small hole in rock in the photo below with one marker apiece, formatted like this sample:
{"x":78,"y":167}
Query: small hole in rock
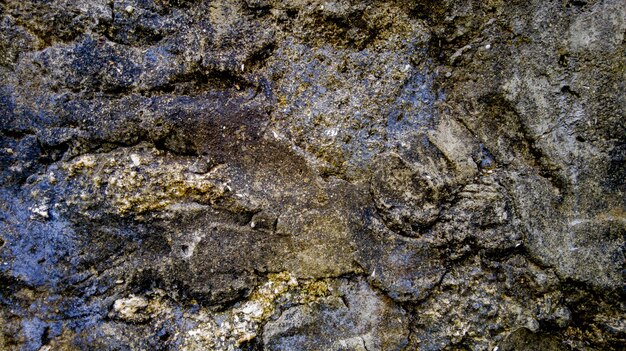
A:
{"x":45,"y":336}
{"x":567,"y":89}
{"x":164,"y":336}
{"x":581,"y":139}
{"x":184,"y":249}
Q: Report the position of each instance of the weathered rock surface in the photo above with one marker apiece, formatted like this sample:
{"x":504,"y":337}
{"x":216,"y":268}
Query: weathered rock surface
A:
{"x":312,"y":175}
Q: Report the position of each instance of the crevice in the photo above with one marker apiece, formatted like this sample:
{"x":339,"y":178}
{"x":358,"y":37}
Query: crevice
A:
{"x":345,"y":301}
{"x":196,"y":82}
{"x":45,"y":336}
{"x":575,"y":3}
{"x":566,"y":89}
{"x":499,"y":254}
{"x":255,"y":344}
{"x":258,"y":59}
{"x":363,"y":343}
{"x":161,"y":144}
{"x":17,"y":134}
{"x":52,"y":153}
{"x":564,"y":60}
{"x":223,"y":304}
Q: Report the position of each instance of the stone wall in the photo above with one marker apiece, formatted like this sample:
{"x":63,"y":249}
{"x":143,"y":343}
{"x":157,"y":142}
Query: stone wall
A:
{"x":312,"y":175}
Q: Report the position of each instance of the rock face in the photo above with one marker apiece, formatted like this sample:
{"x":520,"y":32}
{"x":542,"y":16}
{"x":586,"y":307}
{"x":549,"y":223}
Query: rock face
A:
{"x":312,"y":175}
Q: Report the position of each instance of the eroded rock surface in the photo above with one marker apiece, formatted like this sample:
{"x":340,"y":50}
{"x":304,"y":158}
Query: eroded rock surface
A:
{"x":306,"y":175}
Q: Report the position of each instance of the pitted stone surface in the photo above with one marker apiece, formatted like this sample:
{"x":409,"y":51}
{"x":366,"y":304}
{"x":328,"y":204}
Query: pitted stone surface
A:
{"x":301,"y":175}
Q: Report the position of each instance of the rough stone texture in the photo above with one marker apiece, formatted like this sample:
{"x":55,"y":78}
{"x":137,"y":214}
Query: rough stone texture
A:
{"x":312,"y":175}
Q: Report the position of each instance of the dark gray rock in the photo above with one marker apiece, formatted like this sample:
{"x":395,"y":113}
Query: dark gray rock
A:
{"x":524,"y":339}
{"x":359,"y":319}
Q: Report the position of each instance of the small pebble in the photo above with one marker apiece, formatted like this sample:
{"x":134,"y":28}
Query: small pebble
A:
{"x":201,"y":166}
{"x":135,"y":159}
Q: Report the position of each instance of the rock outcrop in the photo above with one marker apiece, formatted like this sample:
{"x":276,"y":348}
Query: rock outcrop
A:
{"x":312,"y":175}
